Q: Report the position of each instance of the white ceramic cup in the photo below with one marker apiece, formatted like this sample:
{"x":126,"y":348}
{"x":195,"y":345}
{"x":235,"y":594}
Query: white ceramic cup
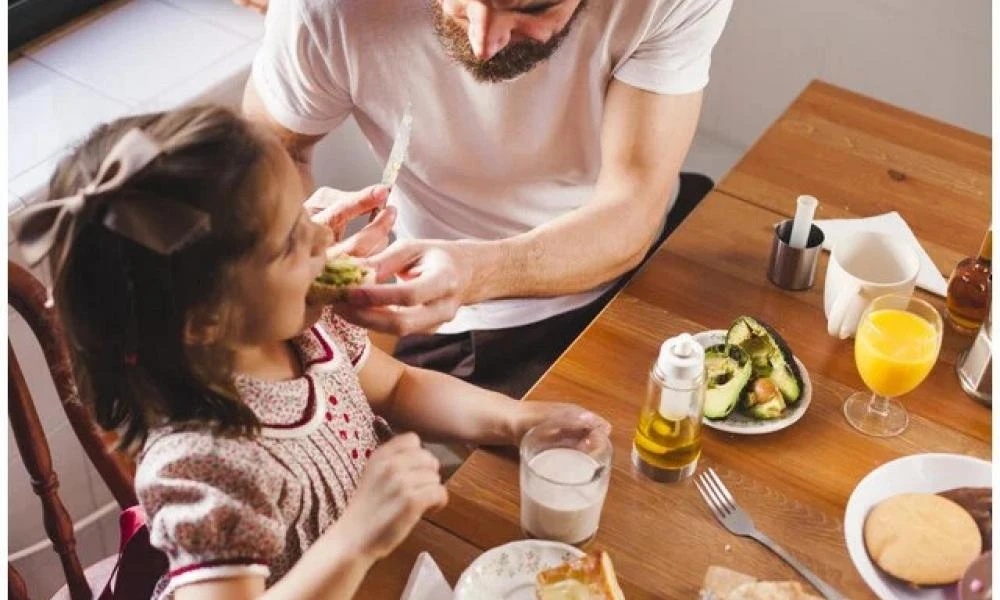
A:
{"x":862,"y":267}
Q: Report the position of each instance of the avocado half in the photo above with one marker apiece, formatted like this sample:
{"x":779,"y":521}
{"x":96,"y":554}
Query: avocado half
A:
{"x":727,"y":372}
{"x":770,"y":356}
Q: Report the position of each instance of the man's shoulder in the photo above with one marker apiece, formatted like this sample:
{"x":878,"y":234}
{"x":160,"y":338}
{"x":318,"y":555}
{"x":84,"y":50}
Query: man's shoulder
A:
{"x":353,"y":12}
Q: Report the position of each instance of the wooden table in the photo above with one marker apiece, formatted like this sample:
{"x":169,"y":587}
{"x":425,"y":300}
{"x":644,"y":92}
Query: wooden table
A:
{"x":862,"y":157}
{"x":795,"y":483}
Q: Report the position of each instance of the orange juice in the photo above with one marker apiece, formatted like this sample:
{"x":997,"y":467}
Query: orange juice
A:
{"x":894,"y":351}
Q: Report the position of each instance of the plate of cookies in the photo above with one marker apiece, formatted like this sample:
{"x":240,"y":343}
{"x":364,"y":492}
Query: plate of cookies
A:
{"x":917,"y":527}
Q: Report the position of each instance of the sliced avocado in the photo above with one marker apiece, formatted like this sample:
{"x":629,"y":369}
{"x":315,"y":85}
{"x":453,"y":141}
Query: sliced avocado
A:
{"x":342,"y":271}
{"x":770,"y":355}
{"x":763,"y":399}
{"x":727,"y":371}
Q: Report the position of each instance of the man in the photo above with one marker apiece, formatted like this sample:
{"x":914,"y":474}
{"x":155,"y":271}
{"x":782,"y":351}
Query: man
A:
{"x":547,"y":140}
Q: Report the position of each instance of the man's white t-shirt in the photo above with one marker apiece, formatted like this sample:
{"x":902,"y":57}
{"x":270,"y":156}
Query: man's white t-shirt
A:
{"x":485,"y":161}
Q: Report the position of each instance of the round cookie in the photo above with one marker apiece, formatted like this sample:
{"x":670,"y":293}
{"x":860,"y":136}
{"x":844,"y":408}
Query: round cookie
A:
{"x":923,"y":539}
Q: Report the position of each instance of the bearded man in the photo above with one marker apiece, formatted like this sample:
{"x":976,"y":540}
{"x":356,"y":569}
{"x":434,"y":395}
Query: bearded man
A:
{"x":544,"y":162}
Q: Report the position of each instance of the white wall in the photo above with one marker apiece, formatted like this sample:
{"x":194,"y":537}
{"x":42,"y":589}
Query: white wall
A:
{"x":929,"y":56}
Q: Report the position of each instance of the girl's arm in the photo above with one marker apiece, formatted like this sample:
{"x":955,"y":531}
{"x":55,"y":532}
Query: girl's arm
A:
{"x":442,"y":407}
{"x":399,"y":484}
{"x":329,"y":570}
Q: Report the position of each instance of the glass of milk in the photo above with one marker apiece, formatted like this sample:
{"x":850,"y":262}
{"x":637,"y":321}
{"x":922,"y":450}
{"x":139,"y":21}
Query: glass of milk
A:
{"x":564,"y":479}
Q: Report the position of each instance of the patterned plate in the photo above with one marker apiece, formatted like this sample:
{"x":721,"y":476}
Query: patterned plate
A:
{"x":508,"y":572}
{"x":739,"y":423}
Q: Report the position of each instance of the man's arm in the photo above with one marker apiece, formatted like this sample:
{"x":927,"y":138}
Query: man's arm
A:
{"x":299,"y":146}
{"x":644,"y":139}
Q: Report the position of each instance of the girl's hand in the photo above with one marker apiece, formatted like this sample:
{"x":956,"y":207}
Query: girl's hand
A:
{"x":399,"y":485}
{"x":571,"y":416}
{"x":336,"y":208}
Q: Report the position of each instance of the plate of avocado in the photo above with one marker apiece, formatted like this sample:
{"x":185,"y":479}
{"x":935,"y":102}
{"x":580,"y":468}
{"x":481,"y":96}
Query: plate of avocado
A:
{"x":755,"y":384}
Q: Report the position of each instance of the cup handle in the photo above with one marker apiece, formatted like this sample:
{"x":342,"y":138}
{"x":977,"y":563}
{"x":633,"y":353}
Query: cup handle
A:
{"x":845,"y":311}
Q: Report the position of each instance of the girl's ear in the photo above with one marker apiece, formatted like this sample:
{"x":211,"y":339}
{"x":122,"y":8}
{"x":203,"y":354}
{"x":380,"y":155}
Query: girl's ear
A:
{"x":202,"y":327}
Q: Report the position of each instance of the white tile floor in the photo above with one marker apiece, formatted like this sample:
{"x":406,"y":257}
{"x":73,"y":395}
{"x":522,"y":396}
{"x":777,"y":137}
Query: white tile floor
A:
{"x":43,"y":123}
{"x":153,"y":63}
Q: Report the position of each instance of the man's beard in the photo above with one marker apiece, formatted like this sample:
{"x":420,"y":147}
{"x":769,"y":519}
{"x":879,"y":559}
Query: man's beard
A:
{"x":515,"y":59}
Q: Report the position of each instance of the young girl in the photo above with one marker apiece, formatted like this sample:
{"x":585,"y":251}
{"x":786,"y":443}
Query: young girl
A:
{"x":182,"y":254}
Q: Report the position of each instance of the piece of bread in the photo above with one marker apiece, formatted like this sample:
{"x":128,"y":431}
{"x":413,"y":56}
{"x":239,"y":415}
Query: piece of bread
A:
{"x":340,"y":272}
{"x":923,"y":539}
{"x":771,"y":590}
{"x":725,"y":584}
{"x":720,"y":581}
{"x":591,"y":577}
{"x":978,"y":502}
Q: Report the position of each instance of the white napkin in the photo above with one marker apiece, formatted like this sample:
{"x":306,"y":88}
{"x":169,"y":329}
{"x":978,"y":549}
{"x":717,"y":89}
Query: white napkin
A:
{"x":426,"y":581}
{"x":929,"y":278}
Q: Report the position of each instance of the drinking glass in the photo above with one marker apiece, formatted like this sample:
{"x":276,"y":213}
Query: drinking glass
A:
{"x":895,"y":348}
{"x":564,"y":478}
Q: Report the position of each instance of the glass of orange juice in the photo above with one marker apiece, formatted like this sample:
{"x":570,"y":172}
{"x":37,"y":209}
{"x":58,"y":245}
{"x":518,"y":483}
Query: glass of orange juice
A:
{"x":895,"y":347}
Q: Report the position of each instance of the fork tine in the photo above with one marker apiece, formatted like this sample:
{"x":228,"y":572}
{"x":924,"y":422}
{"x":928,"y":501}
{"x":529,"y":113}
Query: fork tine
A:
{"x":723,"y":487}
{"x":720,"y":490}
{"x":709,"y":501}
{"x":722,"y":507}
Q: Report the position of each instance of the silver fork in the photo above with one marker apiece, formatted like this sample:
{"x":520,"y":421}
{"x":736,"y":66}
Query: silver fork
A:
{"x":737,"y":521}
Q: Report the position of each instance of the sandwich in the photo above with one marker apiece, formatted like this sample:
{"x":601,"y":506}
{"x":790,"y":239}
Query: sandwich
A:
{"x":339,"y":273}
{"x":591,"y":577}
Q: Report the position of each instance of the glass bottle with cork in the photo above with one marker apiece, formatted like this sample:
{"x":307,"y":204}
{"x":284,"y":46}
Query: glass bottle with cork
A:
{"x":667,"y":441}
{"x":968,"y":300}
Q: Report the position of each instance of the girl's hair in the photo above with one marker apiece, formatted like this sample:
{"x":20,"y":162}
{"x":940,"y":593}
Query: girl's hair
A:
{"x":125,"y":307}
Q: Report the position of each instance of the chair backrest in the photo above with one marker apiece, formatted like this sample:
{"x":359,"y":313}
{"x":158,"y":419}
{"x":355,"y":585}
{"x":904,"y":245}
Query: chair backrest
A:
{"x":27,"y":296}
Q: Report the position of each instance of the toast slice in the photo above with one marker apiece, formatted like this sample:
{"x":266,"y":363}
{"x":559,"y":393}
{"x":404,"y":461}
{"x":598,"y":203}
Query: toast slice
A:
{"x":725,"y":584}
{"x":590,"y":577}
{"x":340,"y":272}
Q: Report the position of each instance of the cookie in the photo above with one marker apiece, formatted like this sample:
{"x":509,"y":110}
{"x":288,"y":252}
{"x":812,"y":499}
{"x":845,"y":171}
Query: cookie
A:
{"x":923,"y":539}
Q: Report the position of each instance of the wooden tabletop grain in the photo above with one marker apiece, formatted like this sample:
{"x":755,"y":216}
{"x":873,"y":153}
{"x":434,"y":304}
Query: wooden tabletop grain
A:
{"x":794,"y":483}
{"x":862,"y":157}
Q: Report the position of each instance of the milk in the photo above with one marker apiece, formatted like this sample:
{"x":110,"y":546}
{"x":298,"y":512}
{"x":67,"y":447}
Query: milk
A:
{"x":560,"y":499}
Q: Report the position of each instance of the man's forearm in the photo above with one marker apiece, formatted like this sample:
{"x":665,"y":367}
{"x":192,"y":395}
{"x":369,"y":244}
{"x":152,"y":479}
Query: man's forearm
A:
{"x":644,"y":139}
{"x":574,"y":253}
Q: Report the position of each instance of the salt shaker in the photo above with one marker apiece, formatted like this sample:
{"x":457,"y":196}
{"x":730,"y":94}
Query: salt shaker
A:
{"x":667,"y":441}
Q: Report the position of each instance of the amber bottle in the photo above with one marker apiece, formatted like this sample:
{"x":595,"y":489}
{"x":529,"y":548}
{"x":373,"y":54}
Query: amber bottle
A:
{"x":969,"y":289}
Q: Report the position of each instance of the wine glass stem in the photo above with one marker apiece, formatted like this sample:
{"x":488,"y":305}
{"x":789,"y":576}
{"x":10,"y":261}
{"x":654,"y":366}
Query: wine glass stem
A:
{"x":879,"y":405}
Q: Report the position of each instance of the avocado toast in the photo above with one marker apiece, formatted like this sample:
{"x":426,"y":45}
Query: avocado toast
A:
{"x":340,"y":272}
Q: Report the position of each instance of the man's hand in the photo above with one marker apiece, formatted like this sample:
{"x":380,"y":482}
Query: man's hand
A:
{"x":259,"y":6}
{"x":337,"y":208}
{"x":434,"y":278}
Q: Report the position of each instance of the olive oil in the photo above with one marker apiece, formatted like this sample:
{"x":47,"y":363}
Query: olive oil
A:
{"x":667,"y":444}
{"x":667,"y":441}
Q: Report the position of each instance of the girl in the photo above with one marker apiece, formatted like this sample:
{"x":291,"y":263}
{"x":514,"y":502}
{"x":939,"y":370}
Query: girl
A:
{"x":181,"y":255}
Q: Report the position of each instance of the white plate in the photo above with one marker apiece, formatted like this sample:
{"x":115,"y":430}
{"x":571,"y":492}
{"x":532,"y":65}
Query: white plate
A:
{"x":737,"y":422}
{"x":919,"y":473}
{"x":508,"y":572}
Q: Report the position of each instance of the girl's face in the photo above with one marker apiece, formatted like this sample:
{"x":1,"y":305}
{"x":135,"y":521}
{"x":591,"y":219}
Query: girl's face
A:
{"x":271,"y":284}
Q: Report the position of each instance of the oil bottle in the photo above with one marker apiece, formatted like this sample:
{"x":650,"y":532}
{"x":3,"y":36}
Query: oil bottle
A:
{"x":667,"y":440}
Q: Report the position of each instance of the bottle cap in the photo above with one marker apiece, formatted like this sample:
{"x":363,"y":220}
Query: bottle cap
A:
{"x":681,"y":360}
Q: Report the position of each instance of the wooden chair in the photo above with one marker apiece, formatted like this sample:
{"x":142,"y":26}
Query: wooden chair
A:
{"x":27,"y":296}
